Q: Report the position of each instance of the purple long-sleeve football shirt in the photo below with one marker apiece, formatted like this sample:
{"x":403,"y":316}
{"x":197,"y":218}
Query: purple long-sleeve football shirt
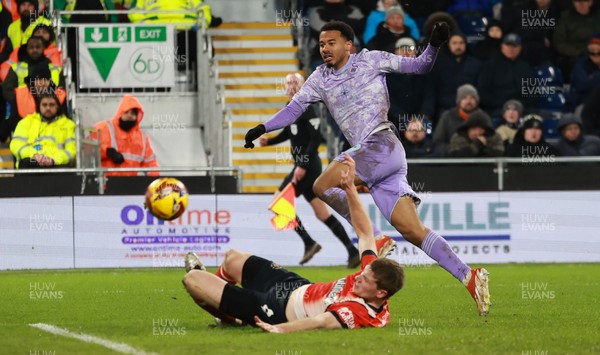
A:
{"x":356,"y":94}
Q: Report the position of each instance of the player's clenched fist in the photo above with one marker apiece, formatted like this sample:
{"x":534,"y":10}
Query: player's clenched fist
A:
{"x":439,"y":34}
{"x":253,"y":134}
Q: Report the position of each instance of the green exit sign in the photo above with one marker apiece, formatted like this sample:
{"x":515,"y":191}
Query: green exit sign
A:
{"x":151,"y":34}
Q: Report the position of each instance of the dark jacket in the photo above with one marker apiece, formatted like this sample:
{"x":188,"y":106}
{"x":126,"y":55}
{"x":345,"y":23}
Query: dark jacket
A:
{"x":586,"y":145}
{"x":450,"y":72}
{"x":463,"y":147}
{"x":573,"y":30}
{"x":590,"y":115}
{"x":385,"y":40}
{"x":447,"y":126}
{"x":500,"y":80}
{"x":535,"y":26}
{"x":489,"y":47}
{"x":522,"y":148}
{"x":423,"y":149}
{"x":584,"y":78}
{"x":409,"y":94}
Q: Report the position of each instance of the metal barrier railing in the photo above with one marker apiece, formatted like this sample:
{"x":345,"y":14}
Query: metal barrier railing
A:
{"x":99,"y":173}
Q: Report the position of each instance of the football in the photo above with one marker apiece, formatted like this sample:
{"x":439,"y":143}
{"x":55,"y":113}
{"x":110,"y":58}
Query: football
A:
{"x":166,"y":198}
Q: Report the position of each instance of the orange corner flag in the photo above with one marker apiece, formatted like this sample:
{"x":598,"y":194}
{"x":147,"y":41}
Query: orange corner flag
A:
{"x":284,"y":207}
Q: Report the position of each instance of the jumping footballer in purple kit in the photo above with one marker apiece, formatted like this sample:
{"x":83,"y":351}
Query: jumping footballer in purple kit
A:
{"x":353,"y":88}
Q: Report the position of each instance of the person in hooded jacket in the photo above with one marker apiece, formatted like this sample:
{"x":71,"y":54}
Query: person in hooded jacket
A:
{"x":123,"y":144}
{"x":476,"y":138}
{"x":529,"y":140}
{"x":572,"y":140}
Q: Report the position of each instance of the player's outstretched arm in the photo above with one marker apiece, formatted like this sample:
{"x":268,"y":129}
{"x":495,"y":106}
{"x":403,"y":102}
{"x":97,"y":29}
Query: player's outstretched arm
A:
{"x":286,"y":116}
{"x":424,"y":62}
{"x":360,"y":219}
{"x":322,"y":321}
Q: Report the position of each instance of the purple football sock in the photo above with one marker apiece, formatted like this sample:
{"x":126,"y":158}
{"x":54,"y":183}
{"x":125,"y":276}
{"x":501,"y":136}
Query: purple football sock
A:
{"x":336,"y":199}
{"x":438,"y":249}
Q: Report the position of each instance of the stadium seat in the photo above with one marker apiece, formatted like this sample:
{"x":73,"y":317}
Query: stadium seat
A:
{"x":554,"y":101}
{"x":550,"y":124}
{"x":472,"y":26}
{"x":551,"y":73}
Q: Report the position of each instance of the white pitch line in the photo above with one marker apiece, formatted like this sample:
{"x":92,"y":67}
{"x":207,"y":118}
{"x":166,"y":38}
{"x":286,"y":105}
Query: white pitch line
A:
{"x":120,"y":347}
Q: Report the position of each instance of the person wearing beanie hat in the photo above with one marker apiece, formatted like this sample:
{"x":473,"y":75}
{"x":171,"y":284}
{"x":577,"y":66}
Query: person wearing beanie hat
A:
{"x":378,"y":15}
{"x":572,"y":140}
{"x":529,"y":140}
{"x":476,"y":138}
{"x":390,"y":31}
{"x":512,"y":111}
{"x":467,"y":100}
{"x":586,"y":73}
{"x":466,"y":90}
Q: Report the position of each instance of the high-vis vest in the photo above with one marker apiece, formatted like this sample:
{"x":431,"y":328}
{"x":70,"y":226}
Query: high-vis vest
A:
{"x":54,"y":139}
{"x":51,"y":52}
{"x":133,"y":144}
{"x":22,"y":71}
{"x":193,"y":8}
{"x":18,"y":37}
{"x":13,"y":8}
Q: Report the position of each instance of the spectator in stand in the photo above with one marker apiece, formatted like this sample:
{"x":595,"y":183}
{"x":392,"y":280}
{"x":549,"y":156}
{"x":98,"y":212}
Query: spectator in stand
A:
{"x":454,"y":67}
{"x":534,"y":21}
{"x":590,"y":114}
{"x":573,"y":32}
{"x":390,"y":31}
{"x":529,"y":140}
{"x":46,"y":138}
{"x":512,"y":111}
{"x":331,"y":10}
{"x":502,"y":77}
{"x":467,"y":102}
{"x":12,"y":7}
{"x":409,"y":94}
{"x":50,"y":51}
{"x":490,"y":46}
{"x":476,"y":138}
{"x":29,"y":56}
{"x":415,"y":139}
{"x":123,"y":144}
{"x":377,"y":16}
{"x":586,"y":73}
{"x":572,"y":140}
{"x":38,"y":82}
{"x":21,"y":29}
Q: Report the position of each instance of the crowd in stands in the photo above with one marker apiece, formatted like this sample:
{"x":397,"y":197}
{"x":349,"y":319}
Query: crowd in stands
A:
{"x":514,"y":75}
{"x":35,"y":121}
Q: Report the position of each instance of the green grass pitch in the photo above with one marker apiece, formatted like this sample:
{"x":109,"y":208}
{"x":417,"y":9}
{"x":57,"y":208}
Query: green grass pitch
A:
{"x":537,"y":309}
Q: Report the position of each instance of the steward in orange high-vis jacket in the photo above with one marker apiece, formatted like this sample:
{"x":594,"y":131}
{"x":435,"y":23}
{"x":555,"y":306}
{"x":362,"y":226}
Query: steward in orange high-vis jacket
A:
{"x":123,"y":144}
